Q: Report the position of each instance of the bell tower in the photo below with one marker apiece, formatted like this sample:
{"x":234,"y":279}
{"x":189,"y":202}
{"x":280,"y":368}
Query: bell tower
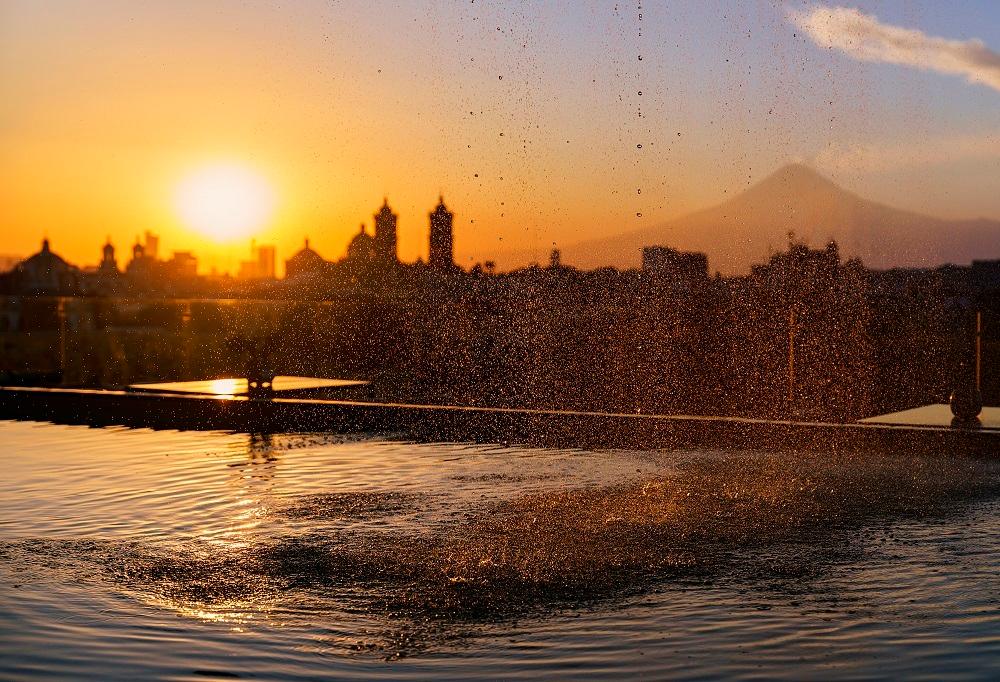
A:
{"x":442,"y":254}
{"x":108,"y":263}
{"x":385,"y":234}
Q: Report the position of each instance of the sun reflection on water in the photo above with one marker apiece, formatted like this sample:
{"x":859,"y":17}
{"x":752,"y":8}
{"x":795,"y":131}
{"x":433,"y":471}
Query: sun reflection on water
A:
{"x":250,"y":487}
{"x":225,"y":387}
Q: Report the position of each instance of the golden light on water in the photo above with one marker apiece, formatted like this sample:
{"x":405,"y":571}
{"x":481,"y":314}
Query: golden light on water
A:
{"x":225,"y":201}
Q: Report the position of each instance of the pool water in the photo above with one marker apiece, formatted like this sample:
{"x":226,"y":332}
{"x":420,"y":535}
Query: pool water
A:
{"x":137,"y":554}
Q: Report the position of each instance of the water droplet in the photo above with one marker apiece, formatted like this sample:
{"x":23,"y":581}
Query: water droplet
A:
{"x":638,"y":146}
{"x":640,"y":93}
{"x":638,"y":215}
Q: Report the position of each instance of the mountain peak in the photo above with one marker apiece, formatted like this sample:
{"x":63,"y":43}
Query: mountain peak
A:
{"x":797,"y":177}
{"x":742,"y":230}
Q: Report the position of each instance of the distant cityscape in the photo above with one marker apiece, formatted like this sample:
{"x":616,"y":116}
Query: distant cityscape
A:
{"x":372,"y":254}
{"x":805,"y":334}
{"x":372,"y":261}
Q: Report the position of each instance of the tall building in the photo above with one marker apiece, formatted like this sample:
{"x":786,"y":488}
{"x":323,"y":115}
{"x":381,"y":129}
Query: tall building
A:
{"x":142,"y":264}
{"x":152,"y":248}
{"x":266,"y":258}
{"x":108,"y":266}
{"x":261,"y":264}
{"x":385,"y":234}
{"x":442,"y":254}
{"x":144,"y":255}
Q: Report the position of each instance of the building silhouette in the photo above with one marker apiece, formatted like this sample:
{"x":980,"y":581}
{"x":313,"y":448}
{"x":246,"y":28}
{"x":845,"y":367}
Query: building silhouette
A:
{"x":266,"y":257}
{"x":46,"y":273}
{"x":152,"y":245}
{"x":362,"y":248}
{"x":183,"y":265}
{"x":261,"y":263}
{"x":804,"y":336}
{"x":442,"y":256}
{"x":146,"y":271}
{"x":304,"y":263}
{"x":108,"y":266}
{"x":386,"y":241}
{"x":142,"y":261}
{"x":372,"y":257}
{"x":801,"y":268}
{"x":671,"y":264}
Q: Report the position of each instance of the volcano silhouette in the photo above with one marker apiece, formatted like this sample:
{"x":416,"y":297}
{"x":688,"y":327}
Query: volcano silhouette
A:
{"x":742,"y":230}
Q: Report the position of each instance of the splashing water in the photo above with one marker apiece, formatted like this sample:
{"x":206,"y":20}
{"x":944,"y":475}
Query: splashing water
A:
{"x":413,"y":550}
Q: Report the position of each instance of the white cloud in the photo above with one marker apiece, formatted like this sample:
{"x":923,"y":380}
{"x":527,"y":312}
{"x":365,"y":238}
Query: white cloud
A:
{"x":864,"y":37}
{"x":932,"y":151}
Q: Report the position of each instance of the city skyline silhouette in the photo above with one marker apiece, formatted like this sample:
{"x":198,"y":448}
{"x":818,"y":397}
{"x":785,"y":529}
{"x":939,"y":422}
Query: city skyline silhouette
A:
{"x":529,"y":119}
{"x":734,"y":235}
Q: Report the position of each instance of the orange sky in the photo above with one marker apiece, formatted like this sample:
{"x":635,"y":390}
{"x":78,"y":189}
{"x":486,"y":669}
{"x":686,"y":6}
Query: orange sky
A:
{"x":526,"y":116}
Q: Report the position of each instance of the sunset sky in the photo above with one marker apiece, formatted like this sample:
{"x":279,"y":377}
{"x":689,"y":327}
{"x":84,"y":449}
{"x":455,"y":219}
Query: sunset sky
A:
{"x":526,"y":115}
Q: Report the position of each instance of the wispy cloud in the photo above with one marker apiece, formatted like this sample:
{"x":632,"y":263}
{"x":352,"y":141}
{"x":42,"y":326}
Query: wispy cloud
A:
{"x":864,"y":37}
{"x":932,"y":151}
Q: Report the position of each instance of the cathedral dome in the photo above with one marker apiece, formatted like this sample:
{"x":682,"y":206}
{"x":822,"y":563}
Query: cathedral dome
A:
{"x":362,"y":247}
{"x":305,"y":262}
{"x":45,"y":272}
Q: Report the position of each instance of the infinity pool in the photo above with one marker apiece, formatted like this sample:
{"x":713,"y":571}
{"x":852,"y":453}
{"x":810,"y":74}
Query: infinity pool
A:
{"x":136,"y":554}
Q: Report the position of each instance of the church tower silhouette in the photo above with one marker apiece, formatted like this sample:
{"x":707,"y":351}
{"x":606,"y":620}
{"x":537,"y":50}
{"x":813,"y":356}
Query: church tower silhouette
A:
{"x":386,"y":240}
{"x":441,"y":248}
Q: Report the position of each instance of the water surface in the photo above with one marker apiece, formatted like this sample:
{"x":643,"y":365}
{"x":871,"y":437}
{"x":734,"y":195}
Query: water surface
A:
{"x":131,"y":554}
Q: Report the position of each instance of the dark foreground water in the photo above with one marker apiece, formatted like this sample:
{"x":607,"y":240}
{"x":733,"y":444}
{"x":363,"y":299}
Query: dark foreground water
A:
{"x":134,"y":554}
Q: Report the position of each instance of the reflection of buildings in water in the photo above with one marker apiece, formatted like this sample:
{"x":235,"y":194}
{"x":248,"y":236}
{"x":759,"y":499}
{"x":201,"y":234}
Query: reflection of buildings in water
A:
{"x":261,"y":446}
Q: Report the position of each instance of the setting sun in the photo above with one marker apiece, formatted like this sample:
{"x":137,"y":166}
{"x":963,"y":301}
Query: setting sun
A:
{"x":224,"y":201}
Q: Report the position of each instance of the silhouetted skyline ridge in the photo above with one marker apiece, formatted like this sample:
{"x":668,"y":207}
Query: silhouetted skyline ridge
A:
{"x":743,"y":229}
